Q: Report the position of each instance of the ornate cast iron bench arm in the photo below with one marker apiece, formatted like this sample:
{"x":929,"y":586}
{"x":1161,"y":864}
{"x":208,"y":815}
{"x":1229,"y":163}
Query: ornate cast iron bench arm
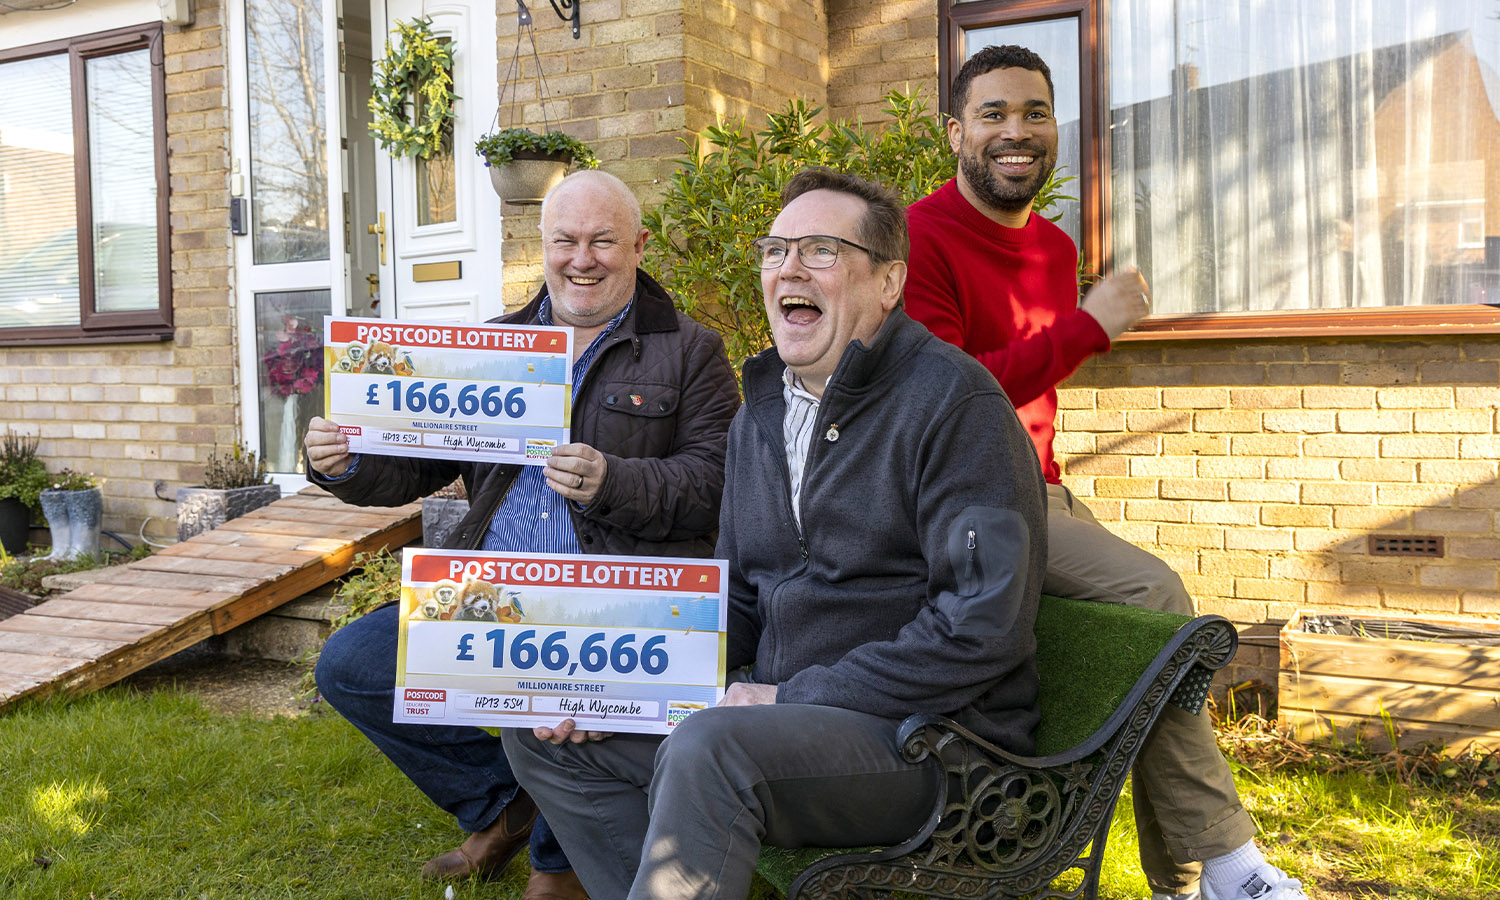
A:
{"x":1007,"y":826}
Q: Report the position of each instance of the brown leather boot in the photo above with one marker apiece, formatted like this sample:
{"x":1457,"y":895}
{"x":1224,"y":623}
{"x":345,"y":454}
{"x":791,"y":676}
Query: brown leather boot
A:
{"x":554,"y":885}
{"x":486,"y":853}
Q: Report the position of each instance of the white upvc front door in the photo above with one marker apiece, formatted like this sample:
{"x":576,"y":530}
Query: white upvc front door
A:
{"x":311,"y":184}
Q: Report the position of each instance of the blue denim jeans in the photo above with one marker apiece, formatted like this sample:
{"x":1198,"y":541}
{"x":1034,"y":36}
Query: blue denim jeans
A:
{"x":461,"y":768}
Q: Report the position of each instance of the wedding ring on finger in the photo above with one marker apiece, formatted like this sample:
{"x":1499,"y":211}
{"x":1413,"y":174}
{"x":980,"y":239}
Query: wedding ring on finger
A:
{"x":580,"y":483}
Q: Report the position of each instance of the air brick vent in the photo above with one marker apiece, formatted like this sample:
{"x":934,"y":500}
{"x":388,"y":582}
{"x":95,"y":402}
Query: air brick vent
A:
{"x":1406,"y":545}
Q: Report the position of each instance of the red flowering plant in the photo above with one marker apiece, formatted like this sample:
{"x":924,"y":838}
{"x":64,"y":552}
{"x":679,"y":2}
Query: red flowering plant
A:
{"x":295,"y":364}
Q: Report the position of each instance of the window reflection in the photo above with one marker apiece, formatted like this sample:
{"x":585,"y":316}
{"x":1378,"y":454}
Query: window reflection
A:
{"x":1312,"y":161}
{"x":288,"y":161}
{"x":437,"y":199}
{"x":122,"y":175}
{"x":38,"y":216}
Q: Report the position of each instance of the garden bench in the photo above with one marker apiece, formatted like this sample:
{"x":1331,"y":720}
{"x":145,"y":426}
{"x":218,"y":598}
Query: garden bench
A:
{"x":1009,"y":826}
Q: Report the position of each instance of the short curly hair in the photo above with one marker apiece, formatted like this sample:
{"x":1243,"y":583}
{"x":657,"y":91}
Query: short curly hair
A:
{"x":1008,"y":56}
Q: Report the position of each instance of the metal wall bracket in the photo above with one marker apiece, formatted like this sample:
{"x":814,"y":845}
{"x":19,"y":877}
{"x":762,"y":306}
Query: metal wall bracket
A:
{"x":567,"y":10}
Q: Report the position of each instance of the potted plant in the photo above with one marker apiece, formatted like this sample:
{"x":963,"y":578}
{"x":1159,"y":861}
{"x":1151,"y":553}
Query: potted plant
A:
{"x":23,"y":477}
{"x":525,"y":165}
{"x":232,"y":486}
{"x":74,"y":507}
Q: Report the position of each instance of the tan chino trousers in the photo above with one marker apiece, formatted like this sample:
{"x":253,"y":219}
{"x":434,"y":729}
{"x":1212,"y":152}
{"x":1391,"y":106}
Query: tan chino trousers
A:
{"x":1186,"y":805}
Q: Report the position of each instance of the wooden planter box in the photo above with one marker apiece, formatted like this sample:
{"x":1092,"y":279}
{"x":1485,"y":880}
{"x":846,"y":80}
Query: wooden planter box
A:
{"x":1358,"y":686}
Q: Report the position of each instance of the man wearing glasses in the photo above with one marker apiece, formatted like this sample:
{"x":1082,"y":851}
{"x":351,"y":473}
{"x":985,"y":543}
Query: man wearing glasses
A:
{"x":884,"y":525}
{"x":993,"y":278}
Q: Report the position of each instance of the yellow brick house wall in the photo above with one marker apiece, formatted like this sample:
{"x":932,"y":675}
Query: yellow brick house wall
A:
{"x":878,"y":47}
{"x":137,"y":413}
{"x":1260,"y":469}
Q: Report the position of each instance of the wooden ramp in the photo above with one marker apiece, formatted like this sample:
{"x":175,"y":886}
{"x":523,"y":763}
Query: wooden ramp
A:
{"x":145,"y":611}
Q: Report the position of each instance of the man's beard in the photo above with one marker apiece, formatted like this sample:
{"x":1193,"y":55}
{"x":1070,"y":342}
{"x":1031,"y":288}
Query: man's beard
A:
{"x":1002,"y":192}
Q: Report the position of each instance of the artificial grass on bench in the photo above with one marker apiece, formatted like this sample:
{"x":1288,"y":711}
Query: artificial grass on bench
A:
{"x":1089,"y":655}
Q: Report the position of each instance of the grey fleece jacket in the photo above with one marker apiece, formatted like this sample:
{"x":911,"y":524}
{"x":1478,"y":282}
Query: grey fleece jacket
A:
{"x":912,"y":583}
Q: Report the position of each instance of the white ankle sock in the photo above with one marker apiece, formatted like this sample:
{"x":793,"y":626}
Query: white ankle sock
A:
{"x":1225,"y":873}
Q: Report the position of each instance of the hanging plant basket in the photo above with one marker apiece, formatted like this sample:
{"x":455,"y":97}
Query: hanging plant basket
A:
{"x":525,"y":165}
{"x":527,"y":178}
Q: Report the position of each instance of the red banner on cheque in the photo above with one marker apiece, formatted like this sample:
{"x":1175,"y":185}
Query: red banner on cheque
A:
{"x":553,"y":572}
{"x":453,"y":337}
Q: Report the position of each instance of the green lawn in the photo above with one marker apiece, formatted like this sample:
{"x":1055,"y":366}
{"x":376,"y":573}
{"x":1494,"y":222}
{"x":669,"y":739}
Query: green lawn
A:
{"x":152,"y":796}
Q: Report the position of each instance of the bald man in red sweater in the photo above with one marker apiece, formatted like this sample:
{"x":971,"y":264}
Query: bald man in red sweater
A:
{"x":1002,"y":284}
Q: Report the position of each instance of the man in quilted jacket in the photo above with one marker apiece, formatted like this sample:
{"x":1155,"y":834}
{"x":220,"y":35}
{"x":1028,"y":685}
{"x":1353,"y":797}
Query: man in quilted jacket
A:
{"x":653,"y":395}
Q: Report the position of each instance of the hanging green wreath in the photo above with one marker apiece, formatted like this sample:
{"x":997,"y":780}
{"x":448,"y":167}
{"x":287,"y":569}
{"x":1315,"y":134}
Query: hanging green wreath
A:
{"x":419,"y":73}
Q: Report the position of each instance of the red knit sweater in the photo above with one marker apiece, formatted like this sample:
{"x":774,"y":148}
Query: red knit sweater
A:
{"x":1008,"y":297}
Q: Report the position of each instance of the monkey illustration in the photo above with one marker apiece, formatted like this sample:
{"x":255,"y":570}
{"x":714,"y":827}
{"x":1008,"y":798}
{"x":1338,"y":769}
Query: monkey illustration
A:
{"x":352,"y":360}
{"x":440,"y":604}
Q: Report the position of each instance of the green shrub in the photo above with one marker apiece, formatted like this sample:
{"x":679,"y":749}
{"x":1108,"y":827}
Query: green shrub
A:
{"x":22,"y":474}
{"x":726,"y":193}
{"x":374,"y":581}
{"x":239,"y":469}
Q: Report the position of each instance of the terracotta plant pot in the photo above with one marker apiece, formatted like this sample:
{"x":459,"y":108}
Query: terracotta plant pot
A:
{"x":527,"y":178}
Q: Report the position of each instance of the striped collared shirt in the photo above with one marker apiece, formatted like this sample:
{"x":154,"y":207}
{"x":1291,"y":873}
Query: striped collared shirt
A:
{"x":796,"y":430}
{"x":533,"y":518}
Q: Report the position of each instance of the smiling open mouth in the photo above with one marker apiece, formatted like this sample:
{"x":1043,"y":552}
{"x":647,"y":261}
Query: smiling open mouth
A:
{"x":800,"y":311}
{"x":585,"y":281}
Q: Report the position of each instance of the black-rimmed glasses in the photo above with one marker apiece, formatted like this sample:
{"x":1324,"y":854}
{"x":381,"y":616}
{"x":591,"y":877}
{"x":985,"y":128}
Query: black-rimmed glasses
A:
{"x":817,"y":251}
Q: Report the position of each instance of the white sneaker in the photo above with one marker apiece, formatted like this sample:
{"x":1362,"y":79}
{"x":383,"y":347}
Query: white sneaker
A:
{"x":1191,"y":896}
{"x":1265,"y":883}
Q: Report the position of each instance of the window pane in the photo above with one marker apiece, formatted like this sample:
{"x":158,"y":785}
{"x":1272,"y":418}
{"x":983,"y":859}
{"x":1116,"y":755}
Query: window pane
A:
{"x":38,"y":218}
{"x":122,"y":176}
{"x":288,"y":162}
{"x":1056,"y":42}
{"x":289,"y":344}
{"x":1276,"y":155}
{"x":437,"y":199}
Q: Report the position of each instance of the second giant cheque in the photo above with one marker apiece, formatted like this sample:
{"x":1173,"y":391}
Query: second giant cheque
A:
{"x":516,"y":640}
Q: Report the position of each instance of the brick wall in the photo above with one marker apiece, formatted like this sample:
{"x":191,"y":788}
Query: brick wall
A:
{"x":639,"y":79}
{"x":1260,"y":469}
{"x":876,"y":47}
{"x":136,"y":413}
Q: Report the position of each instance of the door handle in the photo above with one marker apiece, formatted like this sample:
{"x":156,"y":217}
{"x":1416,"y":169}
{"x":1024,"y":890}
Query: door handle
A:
{"x":373,"y":280}
{"x":379,"y":229}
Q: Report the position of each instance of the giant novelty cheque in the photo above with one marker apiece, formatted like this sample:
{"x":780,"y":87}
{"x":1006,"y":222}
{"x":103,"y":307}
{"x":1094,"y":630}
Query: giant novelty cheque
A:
{"x":517,"y":640}
{"x":445,"y":390}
